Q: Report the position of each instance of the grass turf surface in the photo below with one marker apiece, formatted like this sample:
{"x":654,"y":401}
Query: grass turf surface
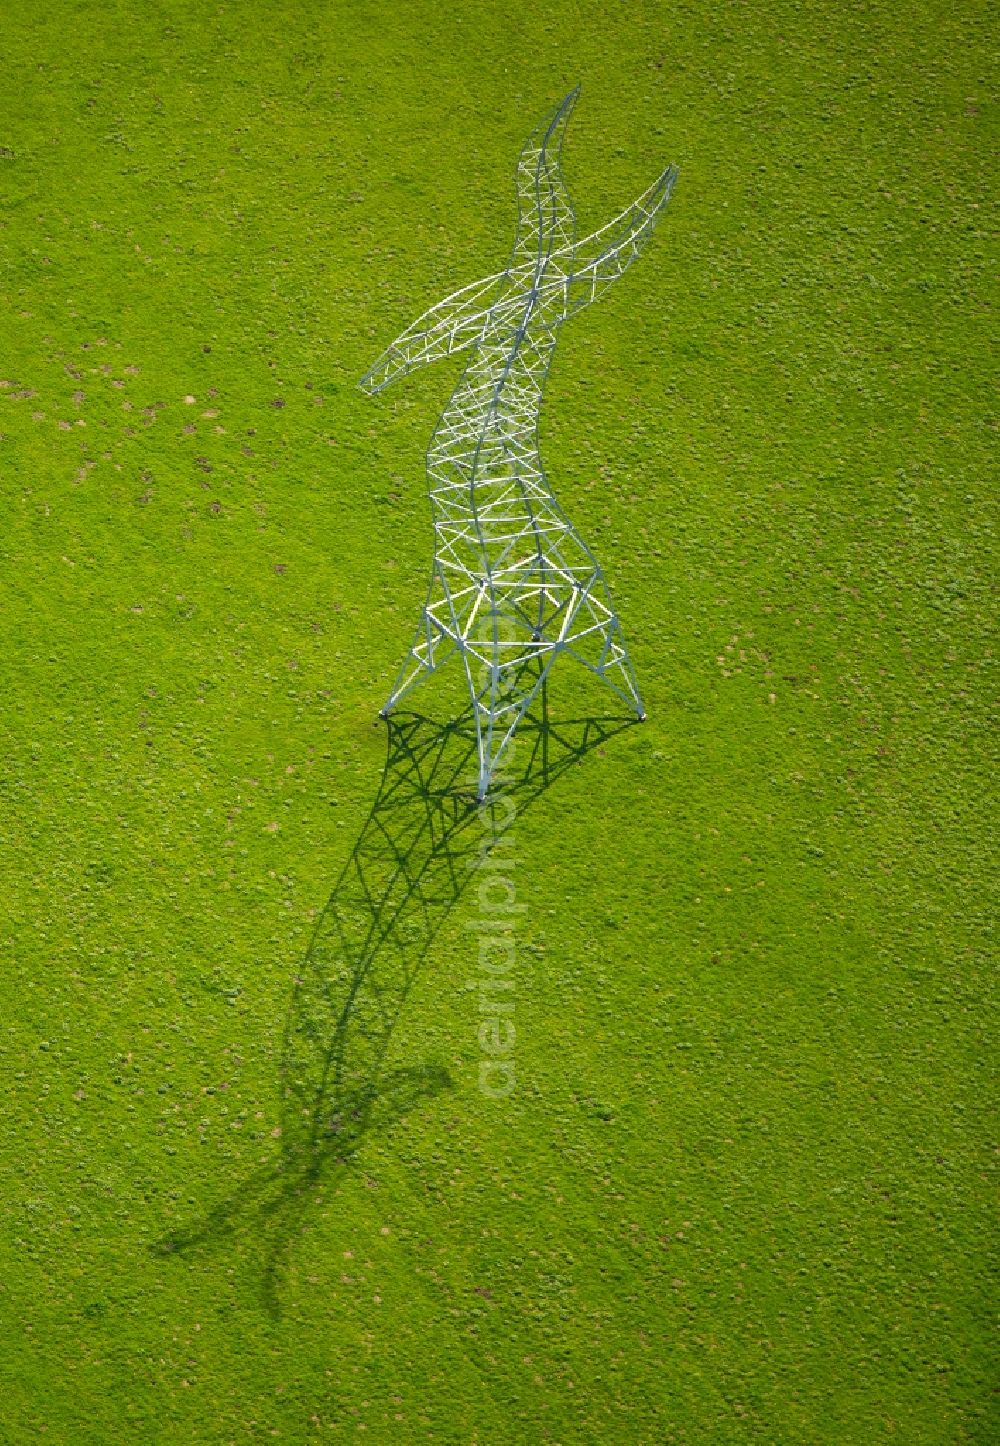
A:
{"x":740,"y":1192}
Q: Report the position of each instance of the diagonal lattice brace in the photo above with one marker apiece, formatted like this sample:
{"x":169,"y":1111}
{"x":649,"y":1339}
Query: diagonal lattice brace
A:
{"x":513,"y":584}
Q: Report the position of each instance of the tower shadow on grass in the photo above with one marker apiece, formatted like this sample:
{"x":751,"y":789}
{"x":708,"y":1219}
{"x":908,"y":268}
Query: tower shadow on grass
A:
{"x":418,"y":849}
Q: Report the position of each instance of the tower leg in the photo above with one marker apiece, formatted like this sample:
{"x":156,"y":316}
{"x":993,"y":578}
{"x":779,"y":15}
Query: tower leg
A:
{"x":509,"y":626}
{"x":596,"y":640}
{"x":432,"y":646}
{"x":504,"y":676}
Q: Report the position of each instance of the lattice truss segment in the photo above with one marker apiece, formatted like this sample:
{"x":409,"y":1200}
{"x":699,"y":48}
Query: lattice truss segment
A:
{"x":513,"y":584}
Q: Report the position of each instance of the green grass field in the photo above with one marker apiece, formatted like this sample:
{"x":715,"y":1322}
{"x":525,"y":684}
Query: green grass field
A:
{"x":251,"y":1188}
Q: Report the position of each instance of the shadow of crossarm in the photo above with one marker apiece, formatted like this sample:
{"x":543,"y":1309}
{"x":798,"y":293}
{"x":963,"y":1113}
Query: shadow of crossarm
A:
{"x":412,"y":860}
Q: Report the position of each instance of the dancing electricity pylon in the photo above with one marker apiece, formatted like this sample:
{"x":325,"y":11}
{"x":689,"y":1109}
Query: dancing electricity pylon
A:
{"x":513,"y":584}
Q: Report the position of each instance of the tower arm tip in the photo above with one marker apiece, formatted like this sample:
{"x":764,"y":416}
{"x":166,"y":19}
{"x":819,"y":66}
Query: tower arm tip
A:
{"x":449,"y":326}
{"x":604,"y":255}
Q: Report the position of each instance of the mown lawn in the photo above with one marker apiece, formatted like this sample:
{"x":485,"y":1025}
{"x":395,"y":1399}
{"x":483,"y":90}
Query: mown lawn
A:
{"x":250,"y":1186}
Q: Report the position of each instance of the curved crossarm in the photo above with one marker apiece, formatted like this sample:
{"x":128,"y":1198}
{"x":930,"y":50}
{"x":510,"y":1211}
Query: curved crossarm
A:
{"x":545,"y":224}
{"x":587,"y":267}
{"x":450,"y":325}
{"x":545,"y":258}
{"x":606,"y":254}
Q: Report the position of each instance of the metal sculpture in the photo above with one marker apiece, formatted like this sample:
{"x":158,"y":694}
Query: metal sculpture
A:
{"x":513,"y":584}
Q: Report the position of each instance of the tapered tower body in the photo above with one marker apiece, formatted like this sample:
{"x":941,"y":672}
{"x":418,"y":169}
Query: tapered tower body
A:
{"x":513,"y":584}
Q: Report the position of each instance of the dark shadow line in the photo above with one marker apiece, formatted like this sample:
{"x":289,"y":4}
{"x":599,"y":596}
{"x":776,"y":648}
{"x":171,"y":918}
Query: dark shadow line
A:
{"x":412,"y":860}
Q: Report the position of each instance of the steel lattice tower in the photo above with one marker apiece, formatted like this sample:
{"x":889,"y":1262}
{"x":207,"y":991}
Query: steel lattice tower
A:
{"x":513,"y":584}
